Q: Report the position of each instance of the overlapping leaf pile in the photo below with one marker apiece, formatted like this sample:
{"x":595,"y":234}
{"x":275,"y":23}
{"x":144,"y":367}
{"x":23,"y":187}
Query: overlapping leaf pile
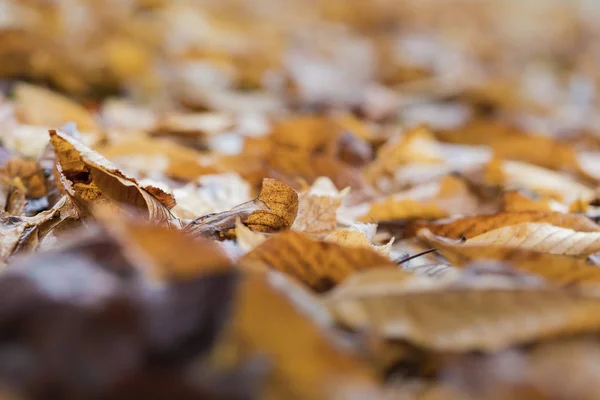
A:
{"x":299,"y":200}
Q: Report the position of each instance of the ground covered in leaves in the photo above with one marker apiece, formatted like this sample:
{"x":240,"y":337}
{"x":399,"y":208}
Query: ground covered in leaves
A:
{"x":299,"y":199}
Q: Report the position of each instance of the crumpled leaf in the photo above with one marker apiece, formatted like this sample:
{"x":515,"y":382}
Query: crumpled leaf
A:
{"x":20,"y":233}
{"x":542,"y":237}
{"x":556,"y":269}
{"x":489,"y":319}
{"x":90,"y":180}
{"x":317,"y":208}
{"x":306,"y":364}
{"x":274,"y":209}
{"x":320,"y":265}
{"x":469,"y":227}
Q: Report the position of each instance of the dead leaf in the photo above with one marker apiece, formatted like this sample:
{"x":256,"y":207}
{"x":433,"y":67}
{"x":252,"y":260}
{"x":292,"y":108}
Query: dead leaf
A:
{"x":38,"y":106}
{"x":89,"y":180}
{"x":489,"y":319}
{"x":355,"y":238}
{"x":320,"y":265}
{"x":541,"y":237}
{"x":247,"y":238}
{"x":318,"y":207}
{"x":557,"y":269}
{"x":307,"y":364}
{"x":274,"y":209}
{"x":30,"y":173}
{"x":469,"y":227}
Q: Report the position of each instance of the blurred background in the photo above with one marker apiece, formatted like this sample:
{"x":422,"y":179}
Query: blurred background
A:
{"x":535,"y":61}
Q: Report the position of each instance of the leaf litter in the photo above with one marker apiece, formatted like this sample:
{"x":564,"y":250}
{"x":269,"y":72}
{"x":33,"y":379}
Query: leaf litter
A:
{"x":305,"y":200}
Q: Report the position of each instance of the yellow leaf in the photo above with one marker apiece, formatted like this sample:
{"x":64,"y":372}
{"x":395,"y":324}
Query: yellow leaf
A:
{"x":354,"y":238}
{"x":318,"y":207}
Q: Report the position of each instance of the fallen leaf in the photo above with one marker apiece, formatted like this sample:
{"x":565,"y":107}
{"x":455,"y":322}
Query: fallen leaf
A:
{"x":489,"y":320}
{"x":469,"y":227}
{"x":39,"y":106}
{"x":307,"y":364}
{"x":247,"y":238}
{"x":355,"y":238}
{"x":515,"y":200}
{"x":89,"y":180}
{"x":557,"y":269}
{"x":320,"y":265}
{"x":317,"y":208}
{"x":541,"y":237}
{"x":274,"y":209}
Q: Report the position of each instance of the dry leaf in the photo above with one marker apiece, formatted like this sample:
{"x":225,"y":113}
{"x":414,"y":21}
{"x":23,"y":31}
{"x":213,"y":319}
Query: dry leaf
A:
{"x":306,"y":364}
{"x":163,"y":253}
{"x":246,"y":238}
{"x":320,"y":265}
{"x":489,"y":319}
{"x":556,"y":269}
{"x":515,"y":200}
{"x":469,"y":227}
{"x":89,"y":180}
{"x":355,"y":238}
{"x":274,"y":209}
{"x":541,"y":237}
{"x":317,"y":208}
{"x":38,"y":106}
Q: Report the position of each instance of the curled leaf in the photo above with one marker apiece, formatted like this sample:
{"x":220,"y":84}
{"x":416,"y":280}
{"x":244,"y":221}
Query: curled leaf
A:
{"x":274,"y":209}
{"x":90,"y":180}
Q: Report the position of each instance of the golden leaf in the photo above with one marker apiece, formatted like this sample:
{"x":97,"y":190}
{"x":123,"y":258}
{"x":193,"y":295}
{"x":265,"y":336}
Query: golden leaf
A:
{"x":489,"y":319}
{"x":514,"y":200}
{"x":274,"y":209}
{"x":556,"y":269}
{"x":542,"y":237}
{"x":39,"y":106}
{"x":89,"y":180}
{"x":306,"y":364}
{"x":319,"y":265}
{"x":12,"y":195}
{"x":30,"y":174}
{"x":469,"y":227}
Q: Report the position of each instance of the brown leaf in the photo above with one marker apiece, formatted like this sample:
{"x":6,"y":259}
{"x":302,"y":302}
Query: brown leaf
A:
{"x":556,"y":269}
{"x":274,"y":209}
{"x":30,"y":174}
{"x":12,"y":195}
{"x":489,"y":319}
{"x":355,"y":238}
{"x":469,"y":227}
{"x":25,"y":233}
{"x":91,"y":180}
{"x":320,"y":265}
{"x":163,"y":253}
{"x":306,"y":364}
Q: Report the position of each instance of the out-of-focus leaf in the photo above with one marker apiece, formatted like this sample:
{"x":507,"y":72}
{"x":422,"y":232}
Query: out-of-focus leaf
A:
{"x":320,"y":265}
{"x":90,"y":180}
{"x":30,"y":174}
{"x":20,"y":233}
{"x":274,"y":209}
{"x":489,"y":320}
{"x":318,"y":207}
{"x":469,"y":227}
{"x":39,"y":106}
{"x":354,"y":238}
{"x":306,"y":364}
